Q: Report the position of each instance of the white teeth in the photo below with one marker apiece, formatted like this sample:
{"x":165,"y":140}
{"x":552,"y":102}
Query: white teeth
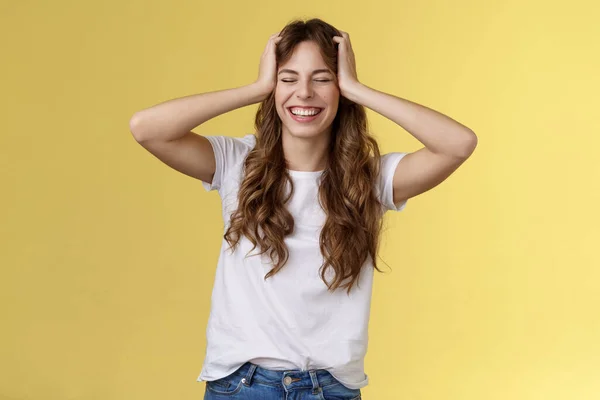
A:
{"x":298,"y":111}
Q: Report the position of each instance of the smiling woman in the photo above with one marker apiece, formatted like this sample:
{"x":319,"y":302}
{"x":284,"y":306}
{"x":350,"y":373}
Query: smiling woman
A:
{"x":305,"y":195}
{"x":313,"y":145}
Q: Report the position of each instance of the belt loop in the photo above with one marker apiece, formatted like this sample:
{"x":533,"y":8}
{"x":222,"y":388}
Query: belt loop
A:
{"x":248,"y":378}
{"x":315,"y":381}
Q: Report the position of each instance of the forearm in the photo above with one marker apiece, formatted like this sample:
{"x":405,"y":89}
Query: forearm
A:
{"x":438,"y":132}
{"x":174,"y":118}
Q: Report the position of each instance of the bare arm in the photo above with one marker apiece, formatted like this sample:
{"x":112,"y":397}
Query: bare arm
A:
{"x":447,"y":142}
{"x":165,"y":129}
{"x":172,"y":119}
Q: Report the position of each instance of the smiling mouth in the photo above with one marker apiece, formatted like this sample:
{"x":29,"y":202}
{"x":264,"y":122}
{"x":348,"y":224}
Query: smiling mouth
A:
{"x":305,"y":116}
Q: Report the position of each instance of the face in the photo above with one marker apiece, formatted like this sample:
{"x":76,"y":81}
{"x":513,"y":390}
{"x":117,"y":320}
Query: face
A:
{"x":301,"y":84}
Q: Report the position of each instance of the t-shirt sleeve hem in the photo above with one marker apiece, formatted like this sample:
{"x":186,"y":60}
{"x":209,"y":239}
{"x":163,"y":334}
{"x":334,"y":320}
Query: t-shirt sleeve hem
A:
{"x":215,"y":184}
{"x":388,"y":191}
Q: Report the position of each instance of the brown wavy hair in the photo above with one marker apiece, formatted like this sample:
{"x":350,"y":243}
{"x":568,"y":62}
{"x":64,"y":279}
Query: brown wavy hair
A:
{"x":346,"y":190}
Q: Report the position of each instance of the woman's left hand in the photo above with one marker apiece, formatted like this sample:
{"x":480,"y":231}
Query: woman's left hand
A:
{"x":346,"y":64}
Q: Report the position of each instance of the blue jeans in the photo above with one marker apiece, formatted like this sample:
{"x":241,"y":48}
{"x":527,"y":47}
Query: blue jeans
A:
{"x":251,"y":382}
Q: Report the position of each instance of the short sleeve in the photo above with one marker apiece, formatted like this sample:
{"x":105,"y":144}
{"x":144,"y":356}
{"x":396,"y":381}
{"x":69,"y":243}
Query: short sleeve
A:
{"x":229,"y":153}
{"x":389,"y":162}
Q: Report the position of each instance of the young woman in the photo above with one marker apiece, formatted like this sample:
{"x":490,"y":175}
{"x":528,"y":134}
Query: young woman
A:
{"x":302,"y":201}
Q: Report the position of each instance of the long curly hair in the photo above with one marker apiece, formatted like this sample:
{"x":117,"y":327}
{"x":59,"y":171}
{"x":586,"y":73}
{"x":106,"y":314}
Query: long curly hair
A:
{"x":347,"y":194}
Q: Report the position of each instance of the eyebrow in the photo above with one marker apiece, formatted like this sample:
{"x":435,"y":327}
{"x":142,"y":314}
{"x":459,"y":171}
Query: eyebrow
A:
{"x":291,"y":71}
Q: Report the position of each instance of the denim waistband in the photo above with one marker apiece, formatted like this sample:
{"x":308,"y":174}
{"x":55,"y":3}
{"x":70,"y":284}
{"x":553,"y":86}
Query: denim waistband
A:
{"x":289,"y":379}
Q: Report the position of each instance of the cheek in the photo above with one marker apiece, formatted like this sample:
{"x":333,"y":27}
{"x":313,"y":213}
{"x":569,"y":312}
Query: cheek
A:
{"x":278,"y":103}
{"x":332,"y":95}
{"x":280,"y":96}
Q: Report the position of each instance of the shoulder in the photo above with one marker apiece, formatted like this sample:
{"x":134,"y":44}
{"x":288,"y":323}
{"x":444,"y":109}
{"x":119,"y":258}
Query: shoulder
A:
{"x":230,"y":153}
{"x":388,"y":164}
{"x":228,"y":149}
{"x":248,"y":140}
{"x":233,"y":143}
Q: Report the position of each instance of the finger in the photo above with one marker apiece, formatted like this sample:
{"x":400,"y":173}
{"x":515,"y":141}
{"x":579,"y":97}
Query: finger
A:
{"x":347,"y":37}
{"x":275,"y":40}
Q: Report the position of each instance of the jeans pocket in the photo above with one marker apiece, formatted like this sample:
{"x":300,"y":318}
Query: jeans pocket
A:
{"x":338,"y":391}
{"x":227,"y":386}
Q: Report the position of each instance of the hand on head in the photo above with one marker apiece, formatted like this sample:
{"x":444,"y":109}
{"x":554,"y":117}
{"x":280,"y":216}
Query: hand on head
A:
{"x":267,"y":71}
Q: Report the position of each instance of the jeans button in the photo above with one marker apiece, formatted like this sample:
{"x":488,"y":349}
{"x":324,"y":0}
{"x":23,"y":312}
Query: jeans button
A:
{"x":287,"y":380}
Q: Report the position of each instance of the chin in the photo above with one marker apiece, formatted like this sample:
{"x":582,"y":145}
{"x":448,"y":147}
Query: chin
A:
{"x":305,"y":133}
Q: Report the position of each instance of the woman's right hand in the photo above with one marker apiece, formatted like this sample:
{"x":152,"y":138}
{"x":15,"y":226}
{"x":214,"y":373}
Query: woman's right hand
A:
{"x":267,"y":71}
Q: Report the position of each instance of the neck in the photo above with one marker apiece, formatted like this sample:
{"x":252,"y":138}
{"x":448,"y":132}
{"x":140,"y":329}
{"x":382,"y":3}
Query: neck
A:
{"x":306,"y":153}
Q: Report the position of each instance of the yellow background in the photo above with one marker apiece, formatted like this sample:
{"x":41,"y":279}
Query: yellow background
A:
{"x":108,"y":256}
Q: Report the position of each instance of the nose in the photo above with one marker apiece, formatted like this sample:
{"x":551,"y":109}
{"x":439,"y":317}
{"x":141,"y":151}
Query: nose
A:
{"x":305,"y":90}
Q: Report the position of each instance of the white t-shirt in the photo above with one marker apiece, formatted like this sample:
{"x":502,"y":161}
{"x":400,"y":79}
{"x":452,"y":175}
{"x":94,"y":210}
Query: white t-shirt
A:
{"x":291,"y":320}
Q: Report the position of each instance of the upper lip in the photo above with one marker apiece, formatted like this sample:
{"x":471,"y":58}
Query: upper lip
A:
{"x":305,"y":107}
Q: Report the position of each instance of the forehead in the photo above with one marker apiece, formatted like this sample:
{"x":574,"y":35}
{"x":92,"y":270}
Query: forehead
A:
{"x":306,"y":57}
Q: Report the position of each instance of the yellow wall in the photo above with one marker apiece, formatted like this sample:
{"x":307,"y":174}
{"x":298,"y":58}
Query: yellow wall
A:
{"x":108,"y":256}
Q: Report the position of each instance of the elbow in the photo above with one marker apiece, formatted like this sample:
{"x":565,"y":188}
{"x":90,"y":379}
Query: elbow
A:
{"x":469,"y":145}
{"x":473,"y":142}
{"x":135,"y":126}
